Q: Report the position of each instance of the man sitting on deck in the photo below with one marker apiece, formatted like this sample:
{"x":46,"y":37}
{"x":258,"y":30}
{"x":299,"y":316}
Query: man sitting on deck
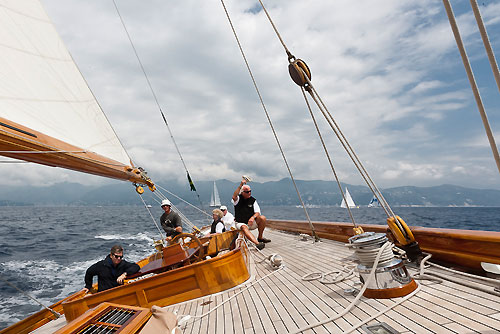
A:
{"x":247,"y":214}
{"x":111,"y":271}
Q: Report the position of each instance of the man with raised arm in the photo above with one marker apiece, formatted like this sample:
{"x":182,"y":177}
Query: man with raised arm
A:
{"x":247,"y":214}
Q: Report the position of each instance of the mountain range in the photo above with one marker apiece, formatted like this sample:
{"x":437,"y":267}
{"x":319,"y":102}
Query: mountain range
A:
{"x":282,"y":192}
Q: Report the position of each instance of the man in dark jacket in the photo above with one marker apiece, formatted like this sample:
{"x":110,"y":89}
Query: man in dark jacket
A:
{"x":111,"y":271}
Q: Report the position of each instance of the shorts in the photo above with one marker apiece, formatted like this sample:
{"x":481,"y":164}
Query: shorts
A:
{"x":253,"y":226}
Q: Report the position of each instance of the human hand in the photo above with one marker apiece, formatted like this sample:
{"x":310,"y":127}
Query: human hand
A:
{"x":121,"y":278}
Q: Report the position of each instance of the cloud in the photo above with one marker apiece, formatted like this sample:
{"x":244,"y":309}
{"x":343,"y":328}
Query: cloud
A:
{"x":390,"y":75}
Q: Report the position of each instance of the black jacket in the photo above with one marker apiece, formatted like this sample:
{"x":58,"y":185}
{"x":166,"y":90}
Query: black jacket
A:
{"x":107,"y":273}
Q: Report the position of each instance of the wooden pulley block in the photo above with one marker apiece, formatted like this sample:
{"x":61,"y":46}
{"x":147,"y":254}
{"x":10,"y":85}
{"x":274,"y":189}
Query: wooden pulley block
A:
{"x":297,"y":69}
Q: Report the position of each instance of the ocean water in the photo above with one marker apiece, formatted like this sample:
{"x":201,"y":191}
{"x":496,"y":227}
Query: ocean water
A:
{"x":45,"y":251}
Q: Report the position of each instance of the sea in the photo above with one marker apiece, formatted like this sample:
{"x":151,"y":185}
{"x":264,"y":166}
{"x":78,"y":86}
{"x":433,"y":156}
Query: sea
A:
{"x":44,"y":251}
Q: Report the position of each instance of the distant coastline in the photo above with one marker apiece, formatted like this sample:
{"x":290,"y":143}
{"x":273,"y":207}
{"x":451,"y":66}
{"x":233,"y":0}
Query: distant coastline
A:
{"x":276,"y":193}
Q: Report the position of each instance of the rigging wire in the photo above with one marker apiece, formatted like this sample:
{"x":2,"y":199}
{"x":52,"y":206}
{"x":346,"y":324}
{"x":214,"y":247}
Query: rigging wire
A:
{"x":193,"y":188}
{"x":270,"y":122}
{"x":328,"y":157}
{"x":186,"y":220}
{"x":154,"y":221}
{"x":336,"y":128}
{"x":183,"y":200}
{"x":58,"y":315}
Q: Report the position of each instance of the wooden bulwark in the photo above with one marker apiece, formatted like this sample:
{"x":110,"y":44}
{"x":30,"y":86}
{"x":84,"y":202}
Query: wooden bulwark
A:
{"x":280,"y":301}
{"x":464,"y":248}
{"x":40,"y":318}
{"x":193,"y":281}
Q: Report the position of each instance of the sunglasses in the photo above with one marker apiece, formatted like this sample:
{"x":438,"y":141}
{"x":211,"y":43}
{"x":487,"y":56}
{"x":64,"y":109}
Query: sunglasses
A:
{"x":118,"y":256}
{"x":247,"y":191}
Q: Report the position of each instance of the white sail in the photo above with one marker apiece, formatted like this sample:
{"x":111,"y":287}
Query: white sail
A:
{"x":373,"y":203}
{"x":41,"y":87}
{"x":349,"y":200}
{"x":214,"y":197}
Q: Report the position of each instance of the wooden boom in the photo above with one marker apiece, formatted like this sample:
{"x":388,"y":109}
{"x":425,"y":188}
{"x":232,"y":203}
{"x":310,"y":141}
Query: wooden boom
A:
{"x":18,"y":139}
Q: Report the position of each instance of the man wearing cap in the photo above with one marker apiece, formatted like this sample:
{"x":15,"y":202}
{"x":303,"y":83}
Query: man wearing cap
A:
{"x":247,"y":214}
{"x":170,"y":220}
{"x":228,"y":218}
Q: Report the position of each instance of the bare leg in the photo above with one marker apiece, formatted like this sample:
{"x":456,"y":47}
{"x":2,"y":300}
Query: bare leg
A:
{"x":249,"y":234}
{"x":261,"y":225}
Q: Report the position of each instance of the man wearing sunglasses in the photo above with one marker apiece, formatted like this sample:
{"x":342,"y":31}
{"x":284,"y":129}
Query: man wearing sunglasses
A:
{"x":247,"y":214}
{"x":111,"y":271}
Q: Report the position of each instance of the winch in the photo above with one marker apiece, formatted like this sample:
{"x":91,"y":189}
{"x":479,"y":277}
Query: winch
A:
{"x":391,"y":278}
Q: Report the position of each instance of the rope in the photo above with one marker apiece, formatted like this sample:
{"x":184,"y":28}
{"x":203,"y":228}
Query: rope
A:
{"x":328,"y":156}
{"x":154,"y":221}
{"x":338,"y":132}
{"x":269,"y":121}
{"x":348,"y":148}
{"x":154,"y":95}
{"x":184,"y":219}
{"x":351,"y":305}
{"x":199,"y":317}
{"x":183,"y":200}
{"x":58,"y":315}
{"x":470,"y":76}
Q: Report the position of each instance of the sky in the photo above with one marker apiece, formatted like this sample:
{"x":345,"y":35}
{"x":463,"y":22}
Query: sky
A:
{"x":388,"y":71}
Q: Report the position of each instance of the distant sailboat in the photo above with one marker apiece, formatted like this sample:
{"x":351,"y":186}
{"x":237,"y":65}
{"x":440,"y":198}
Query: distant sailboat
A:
{"x":214,"y":198}
{"x":373,"y":203}
{"x":349,"y":200}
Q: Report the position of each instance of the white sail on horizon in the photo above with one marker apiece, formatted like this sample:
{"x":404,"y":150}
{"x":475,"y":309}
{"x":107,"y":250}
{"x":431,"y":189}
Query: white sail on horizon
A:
{"x":214,"y":197}
{"x":373,"y":203}
{"x":349,"y":200}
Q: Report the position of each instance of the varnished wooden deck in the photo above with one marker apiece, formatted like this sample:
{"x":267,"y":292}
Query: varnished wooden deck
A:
{"x":282,"y":302}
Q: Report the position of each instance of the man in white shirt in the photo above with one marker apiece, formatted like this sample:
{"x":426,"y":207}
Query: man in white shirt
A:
{"x":228,"y":218}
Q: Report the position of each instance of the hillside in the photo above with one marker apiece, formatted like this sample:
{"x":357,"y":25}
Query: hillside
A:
{"x":279,"y":192}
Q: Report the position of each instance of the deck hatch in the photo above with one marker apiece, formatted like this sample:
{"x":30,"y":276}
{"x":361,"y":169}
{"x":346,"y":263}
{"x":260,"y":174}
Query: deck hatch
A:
{"x":379,"y":328}
{"x":110,"y":319}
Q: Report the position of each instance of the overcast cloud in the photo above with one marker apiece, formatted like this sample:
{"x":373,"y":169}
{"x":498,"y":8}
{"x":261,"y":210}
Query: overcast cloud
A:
{"x":389,"y":72}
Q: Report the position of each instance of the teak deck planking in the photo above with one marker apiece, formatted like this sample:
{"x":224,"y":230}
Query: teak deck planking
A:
{"x":283,"y":302}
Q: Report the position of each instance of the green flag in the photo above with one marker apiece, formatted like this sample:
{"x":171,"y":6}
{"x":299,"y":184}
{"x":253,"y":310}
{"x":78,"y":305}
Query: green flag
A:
{"x":191,"y":184}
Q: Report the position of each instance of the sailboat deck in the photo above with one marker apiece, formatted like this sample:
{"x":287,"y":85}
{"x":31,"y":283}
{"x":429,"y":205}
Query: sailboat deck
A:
{"x":279,"y":301}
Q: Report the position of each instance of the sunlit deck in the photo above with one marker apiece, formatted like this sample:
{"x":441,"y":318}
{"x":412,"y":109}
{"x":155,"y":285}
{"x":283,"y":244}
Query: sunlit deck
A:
{"x":282,"y":302}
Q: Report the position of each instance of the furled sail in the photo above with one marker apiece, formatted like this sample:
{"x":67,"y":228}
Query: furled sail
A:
{"x":45,"y":103}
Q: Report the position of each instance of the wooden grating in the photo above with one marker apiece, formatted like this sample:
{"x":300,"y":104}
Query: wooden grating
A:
{"x":108,"y":318}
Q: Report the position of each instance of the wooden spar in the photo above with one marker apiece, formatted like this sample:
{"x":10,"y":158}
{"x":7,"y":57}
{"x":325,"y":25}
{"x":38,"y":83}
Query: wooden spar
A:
{"x":17,"y":138}
{"x":464,"y":248}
